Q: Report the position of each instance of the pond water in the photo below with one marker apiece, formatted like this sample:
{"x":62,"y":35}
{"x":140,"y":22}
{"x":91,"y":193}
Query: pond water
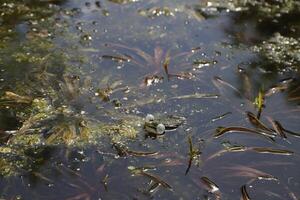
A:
{"x":80,"y":82}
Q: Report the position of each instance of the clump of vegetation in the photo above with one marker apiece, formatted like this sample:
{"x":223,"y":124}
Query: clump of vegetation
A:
{"x":44,"y":125}
{"x":281,"y":50}
{"x":156,"y":12}
{"x":275,"y":8}
{"x":120,"y":130}
{"x":6,"y":166}
{"x":264,"y":9}
{"x":14,"y":11}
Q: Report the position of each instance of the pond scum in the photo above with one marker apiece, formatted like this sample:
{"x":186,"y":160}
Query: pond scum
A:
{"x":46,"y":86}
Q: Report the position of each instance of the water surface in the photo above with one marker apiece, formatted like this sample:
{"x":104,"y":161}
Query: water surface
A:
{"x":67,"y":52}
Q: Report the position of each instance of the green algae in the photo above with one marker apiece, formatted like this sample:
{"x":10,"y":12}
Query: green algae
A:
{"x":264,"y":8}
{"x":16,"y":156}
{"x":119,"y":131}
{"x":156,"y":12}
{"x":282,"y":51}
{"x":69,"y":131}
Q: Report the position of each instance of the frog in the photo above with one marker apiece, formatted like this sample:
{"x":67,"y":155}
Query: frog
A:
{"x":160,"y":124}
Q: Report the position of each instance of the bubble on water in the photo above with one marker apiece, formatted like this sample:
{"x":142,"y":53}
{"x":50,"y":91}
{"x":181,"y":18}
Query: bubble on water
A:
{"x":149,"y":117}
{"x":160,"y":129}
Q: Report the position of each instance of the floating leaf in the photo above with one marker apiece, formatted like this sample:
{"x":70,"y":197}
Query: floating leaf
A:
{"x":220,"y":131}
{"x":272,"y":151}
{"x":197,"y":96}
{"x":257,"y":123}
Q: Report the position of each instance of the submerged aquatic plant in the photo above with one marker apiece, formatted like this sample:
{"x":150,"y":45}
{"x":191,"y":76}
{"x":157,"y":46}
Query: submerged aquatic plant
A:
{"x":159,"y":61}
{"x":143,"y":172}
{"x":245,"y":195}
{"x":259,"y":102}
{"x":11,"y":99}
{"x":211,"y":187}
{"x":124,"y":151}
{"x":194,"y":153}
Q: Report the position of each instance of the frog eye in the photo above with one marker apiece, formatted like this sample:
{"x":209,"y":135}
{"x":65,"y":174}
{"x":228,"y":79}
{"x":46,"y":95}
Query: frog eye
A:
{"x":149,"y":118}
{"x":160,"y":128}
